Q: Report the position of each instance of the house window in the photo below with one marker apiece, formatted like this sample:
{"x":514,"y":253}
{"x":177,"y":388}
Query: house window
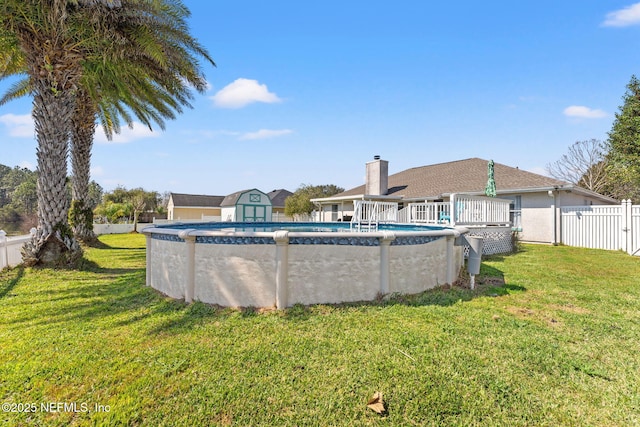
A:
{"x":334,"y":212}
{"x":515,"y":212}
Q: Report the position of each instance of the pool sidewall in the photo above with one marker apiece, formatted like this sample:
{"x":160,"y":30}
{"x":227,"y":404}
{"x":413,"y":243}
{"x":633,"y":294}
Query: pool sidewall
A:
{"x":312,"y":269}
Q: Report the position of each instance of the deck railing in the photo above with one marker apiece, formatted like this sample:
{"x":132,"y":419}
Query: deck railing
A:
{"x":462,"y":209}
{"x":479,"y":210}
{"x":368,"y":214}
{"x":427,"y":213}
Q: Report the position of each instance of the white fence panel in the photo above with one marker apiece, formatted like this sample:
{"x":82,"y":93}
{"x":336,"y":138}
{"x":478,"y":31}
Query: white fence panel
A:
{"x":635,"y":230}
{"x":602,"y":227}
{"x":11,"y":249}
{"x":597,"y":227}
{"x":100,"y":229}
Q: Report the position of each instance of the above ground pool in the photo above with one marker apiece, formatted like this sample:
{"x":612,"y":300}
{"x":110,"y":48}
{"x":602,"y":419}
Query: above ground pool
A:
{"x":281,"y":264}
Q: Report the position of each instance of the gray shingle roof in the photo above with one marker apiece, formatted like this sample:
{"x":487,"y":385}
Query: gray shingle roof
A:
{"x":461,"y":176}
{"x":232,"y":198}
{"x":193,"y":200}
{"x":278,"y":197}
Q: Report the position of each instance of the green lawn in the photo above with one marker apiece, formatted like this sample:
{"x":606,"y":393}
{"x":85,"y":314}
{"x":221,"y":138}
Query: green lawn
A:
{"x":550,"y":338}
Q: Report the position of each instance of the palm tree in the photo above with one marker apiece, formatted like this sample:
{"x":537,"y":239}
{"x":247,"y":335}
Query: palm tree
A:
{"x":83,"y":129}
{"x":52,"y":60}
{"x":81,"y":46}
{"x":128,"y":74}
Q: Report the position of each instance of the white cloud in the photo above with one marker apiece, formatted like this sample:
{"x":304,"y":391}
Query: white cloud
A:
{"x":20,"y":126}
{"x":210,"y":134}
{"x":264,"y":134}
{"x":630,"y":15}
{"x":126,"y":135}
{"x":582,"y":112}
{"x":243,"y":92}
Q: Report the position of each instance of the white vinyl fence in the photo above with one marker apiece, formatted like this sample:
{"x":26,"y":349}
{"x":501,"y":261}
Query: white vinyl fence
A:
{"x":602,"y":227}
{"x":11,"y":249}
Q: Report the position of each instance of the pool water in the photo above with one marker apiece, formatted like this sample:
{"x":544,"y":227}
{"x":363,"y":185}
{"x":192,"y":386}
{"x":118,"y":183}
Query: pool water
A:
{"x":268,"y":227}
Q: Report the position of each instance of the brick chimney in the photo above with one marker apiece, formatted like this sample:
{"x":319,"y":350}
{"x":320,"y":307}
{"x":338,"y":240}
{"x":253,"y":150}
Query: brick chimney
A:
{"x":377,"y":180}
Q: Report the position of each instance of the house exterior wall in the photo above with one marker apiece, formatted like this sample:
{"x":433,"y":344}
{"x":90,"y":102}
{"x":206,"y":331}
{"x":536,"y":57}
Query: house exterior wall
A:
{"x":177,"y":213}
{"x":328,"y":212}
{"x":536,"y":217}
{"x":572,"y":199}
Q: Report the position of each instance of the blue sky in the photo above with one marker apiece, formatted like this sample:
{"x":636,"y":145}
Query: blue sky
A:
{"x":307,"y":92}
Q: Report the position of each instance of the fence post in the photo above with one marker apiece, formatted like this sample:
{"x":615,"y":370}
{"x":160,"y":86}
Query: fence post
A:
{"x":148,"y":258}
{"x":4,"y":261}
{"x":627,"y":225}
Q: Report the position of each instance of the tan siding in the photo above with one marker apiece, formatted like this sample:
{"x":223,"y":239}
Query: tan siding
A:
{"x":194,"y":213}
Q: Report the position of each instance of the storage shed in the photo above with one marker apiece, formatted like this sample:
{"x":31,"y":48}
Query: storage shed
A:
{"x":247,"y":205}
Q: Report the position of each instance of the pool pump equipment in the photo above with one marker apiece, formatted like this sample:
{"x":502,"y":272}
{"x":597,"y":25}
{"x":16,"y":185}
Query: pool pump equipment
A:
{"x":475,"y":245}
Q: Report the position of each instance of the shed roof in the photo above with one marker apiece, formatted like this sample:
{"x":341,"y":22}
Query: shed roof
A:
{"x":232,"y":198}
{"x":196,"y":200}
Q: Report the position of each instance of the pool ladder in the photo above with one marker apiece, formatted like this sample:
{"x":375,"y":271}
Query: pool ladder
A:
{"x":365,"y":217}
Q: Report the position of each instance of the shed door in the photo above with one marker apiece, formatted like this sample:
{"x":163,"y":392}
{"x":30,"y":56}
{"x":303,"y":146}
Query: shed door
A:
{"x":254,"y":213}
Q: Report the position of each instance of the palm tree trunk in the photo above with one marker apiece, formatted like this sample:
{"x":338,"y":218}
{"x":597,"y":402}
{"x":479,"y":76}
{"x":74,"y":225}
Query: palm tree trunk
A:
{"x":53,"y":242}
{"x":83,"y":130}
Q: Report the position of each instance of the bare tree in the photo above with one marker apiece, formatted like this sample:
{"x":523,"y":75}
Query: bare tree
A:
{"x":584,"y":165}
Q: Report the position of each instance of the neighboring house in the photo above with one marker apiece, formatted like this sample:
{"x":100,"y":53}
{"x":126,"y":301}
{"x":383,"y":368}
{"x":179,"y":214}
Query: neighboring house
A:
{"x":247,"y":205}
{"x":535,"y":199}
{"x":278,"y":198}
{"x":192,"y":206}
